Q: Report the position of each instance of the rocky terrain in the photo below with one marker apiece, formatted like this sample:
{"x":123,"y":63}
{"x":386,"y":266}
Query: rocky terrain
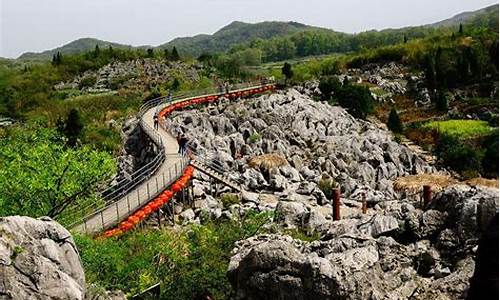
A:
{"x":398,"y":250}
{"x":320,"y":144}
{"x":131,"y":74}
{"x":39,"y":260}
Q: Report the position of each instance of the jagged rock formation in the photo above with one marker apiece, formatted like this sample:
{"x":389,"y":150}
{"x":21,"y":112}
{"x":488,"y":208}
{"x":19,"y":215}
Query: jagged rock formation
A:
{"x":38,"y":260}
{"x":318,"y":141}
{"x":397,"y":253}
{"x":131,"y":74}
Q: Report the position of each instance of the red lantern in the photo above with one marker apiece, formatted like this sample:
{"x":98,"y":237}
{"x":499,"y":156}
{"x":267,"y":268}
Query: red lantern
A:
{"x":125,"y":226}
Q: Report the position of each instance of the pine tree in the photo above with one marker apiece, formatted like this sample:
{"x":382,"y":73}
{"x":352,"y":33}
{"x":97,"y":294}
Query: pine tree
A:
{"x":97,"y":51}
{"x":394,"y":123}
{"x":166,"y":54}
{"x":73,"y":127}
{"x":175,"y":55}
{"x":150,"y":53}
{"x":57,"y":59}
{"x":176,"y":84}
{"x":287,"y":71}
{"x":441,"y":100}
{"x":461,"y":29}
{"x":405,"y":39}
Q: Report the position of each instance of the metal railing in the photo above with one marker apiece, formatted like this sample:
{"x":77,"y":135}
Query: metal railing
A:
{"x":122,"y":199}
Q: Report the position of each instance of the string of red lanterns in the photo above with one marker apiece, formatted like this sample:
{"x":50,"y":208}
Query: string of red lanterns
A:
{"x":182,"y":182}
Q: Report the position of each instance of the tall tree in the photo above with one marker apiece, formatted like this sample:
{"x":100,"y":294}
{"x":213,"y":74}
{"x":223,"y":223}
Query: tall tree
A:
{"x":73,"y":127}
{"x":394,"y":122}
{"x":166,"y":54}
{"x":175,"y":55}
{"x":287,"y":71}
{"x":150,"y":53}
{"x":461,"y":29}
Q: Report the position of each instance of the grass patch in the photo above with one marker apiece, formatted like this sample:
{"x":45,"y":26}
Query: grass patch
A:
{"x":462,"y":129}
{"x":186,"y":262}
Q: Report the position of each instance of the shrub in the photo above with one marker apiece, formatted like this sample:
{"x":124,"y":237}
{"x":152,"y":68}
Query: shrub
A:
{"x":187,"y":262}
{"x":490,"y":159}
{"x":229,"y":199}
{"x":87,"y":81}
{"x":460,"y":157}
{"x":254,"y":138}
{"x":356,"y":99}
{"x":394,"y":123}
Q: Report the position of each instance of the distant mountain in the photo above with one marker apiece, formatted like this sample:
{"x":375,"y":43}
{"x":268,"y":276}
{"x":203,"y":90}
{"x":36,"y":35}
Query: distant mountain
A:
{"x":235,"y":33}
{"x":77,"y":46}
{"x":240,"y":32}
{"x":488,"y":14}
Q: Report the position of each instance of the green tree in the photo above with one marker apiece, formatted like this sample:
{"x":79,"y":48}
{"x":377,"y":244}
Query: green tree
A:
{"x":394,"y":123}
{"x":97,"y":51}
{"x":329,"y":86}
{"x":287,"y":71}
{"x":166,"y":54}
{"x":73,"y":127}
{"x":356,"y":99}
{"x":441,"y":100}
{"x":461,"y":29}
{"x":176,"y":84}
{"x":174,"y":56}
{"x":150,"y":53}
{"x":40,"y":176}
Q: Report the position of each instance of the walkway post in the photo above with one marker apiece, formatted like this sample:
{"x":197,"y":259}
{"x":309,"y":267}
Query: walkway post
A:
{"x":336,"y":204}
{"x":364,"y":205}
{"x":427,"y":195}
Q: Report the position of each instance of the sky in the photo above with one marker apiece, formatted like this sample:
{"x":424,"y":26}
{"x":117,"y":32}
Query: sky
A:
{"x":37,"y":25}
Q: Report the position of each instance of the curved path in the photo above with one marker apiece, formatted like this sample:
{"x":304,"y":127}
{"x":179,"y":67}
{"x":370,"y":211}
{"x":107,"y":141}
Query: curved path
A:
{"x":169,"y":166}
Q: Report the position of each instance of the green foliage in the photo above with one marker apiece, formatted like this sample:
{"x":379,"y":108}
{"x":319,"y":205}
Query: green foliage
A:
{"x":300,"y":234}
{"x":462,"y":129}
{"x":326,"y":185}
{"x":459,"y":156}
{"x":40,"y":176}
{"x":73,"y":127}
{"x":287,"y":71}
{"x":490,"y":159}
{"x":229,"y":199}
{"x":187,"y":262}
{"x":254,"y":138}
{"x":394,"y":123}
{"x":174,"y":55}
{"x":355,"y":98}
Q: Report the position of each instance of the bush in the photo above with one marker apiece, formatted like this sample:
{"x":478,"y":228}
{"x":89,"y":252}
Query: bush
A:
{"x":356,"y":99}
{"x":254,"y":138}
{"x":187,"y":262}
{"x":490,"y":159}
{"x":229,"y":199}
{"x":87,"y":81}
{"x":394,"y":123}
{"x":460,"y":157}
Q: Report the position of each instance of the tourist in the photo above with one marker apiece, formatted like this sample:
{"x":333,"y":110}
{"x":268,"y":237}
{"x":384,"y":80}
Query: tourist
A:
{"x":155,"y":119}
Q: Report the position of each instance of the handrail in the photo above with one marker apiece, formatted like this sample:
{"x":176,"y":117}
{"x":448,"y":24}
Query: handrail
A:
{"x":112,"y":196}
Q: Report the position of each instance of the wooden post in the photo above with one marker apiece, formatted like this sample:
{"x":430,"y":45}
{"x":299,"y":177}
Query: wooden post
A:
{"x":336,"y":204}
{"x":427,"y":195}
{"x":364,"y":205}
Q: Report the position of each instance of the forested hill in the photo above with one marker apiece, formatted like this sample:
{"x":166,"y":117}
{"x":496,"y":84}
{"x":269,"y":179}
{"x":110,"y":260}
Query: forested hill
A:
{"x":476,"y":17}
{"x":236,"y":33}
{"x":278,"y":38}
{"x":77,"y":46}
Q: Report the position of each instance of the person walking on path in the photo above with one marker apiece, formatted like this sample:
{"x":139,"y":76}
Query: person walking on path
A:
{"x":183,"y":145}
{"x":178,"y":138}
{"x":155,"y":119}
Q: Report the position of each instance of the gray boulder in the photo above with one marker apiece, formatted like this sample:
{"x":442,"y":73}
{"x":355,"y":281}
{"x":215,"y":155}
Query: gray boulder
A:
{"x":38,"y":260}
